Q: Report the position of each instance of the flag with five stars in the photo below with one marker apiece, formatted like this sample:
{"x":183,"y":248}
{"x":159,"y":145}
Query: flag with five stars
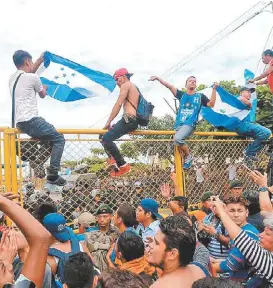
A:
{"x":69,"y":81}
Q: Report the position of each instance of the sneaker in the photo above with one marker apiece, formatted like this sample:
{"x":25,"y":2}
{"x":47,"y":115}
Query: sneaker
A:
{"x":122,"y":170}
{"x":251,"y":157}
{"x":188,"y":162}
{"x":111,"y":163}
{"x":59,"y":181}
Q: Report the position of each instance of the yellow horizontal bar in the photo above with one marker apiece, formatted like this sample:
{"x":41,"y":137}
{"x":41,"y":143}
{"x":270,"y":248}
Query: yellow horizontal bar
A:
{"x":138,"y":132}
{"x":2,"y":128}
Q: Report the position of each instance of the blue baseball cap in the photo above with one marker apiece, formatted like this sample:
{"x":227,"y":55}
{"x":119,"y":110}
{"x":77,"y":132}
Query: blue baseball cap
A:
{"x":152,"y":206}
{"x":55,"y":223}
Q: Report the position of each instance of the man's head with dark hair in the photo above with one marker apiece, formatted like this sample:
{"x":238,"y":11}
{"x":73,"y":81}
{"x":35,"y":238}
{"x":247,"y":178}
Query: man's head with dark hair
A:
{"x":178,"y":204}
{"x":252,"y":196}
{"x":125,"y":216}
{"x":267,"y":56}
{"x":174,"y":243}
{"x":22,"y":59}
{"x":191,"y":83}
{"x":212,"y":282}
{"x":129,"y":246}
{"x":147,"y":211}
{"x":237,"y":209}
{"x":43,"y":209}
{"x":79,"y":272}
{"x":115,"y":278}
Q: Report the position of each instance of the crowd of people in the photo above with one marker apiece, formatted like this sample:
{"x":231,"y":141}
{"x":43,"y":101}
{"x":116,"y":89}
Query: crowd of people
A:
{"x":226,"y":242}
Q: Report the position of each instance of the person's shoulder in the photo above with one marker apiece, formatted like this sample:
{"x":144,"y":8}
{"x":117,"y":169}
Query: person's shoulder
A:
{"x":127,"y":85}
{"x":251,"y":230}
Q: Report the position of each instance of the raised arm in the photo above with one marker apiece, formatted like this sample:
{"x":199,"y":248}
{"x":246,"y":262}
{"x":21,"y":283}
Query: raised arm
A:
{"x":212,"y":100}
{"x":37,"y":237}
{"x":37,"y":63}
{"x":262,"y":76}
{"x":164,"y":83}
{"x":264,"y":199}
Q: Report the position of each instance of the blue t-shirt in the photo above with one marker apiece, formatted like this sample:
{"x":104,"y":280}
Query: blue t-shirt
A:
{"x":235,"y":263}
{"x":189,"y":108}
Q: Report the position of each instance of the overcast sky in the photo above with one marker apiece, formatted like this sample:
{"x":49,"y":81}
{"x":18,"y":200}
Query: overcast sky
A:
{"x":146,"y":36}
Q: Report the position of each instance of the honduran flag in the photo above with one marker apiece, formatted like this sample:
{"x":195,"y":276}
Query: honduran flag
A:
{"x":69,"y":81}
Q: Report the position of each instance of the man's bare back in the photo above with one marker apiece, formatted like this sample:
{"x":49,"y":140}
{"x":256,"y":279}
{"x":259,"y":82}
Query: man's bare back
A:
{"x":132,"y":96}
{"x":182,"y":277}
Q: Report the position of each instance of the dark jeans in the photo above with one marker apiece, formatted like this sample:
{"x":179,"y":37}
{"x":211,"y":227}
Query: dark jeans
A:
{"x":120,"y":128}
{"x":38,"y":128}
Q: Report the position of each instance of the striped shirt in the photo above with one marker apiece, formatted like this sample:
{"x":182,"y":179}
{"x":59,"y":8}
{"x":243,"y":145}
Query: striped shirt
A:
{"x":258,"y":257}
{"x":216,"y":249}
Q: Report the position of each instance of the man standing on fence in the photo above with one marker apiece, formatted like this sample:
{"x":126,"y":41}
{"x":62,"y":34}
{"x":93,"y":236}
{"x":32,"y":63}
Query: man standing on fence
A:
{"x":24,"y":84}
{"x":267,"y":76}
{"x":128,"y":98}
{"x":187,"y":116}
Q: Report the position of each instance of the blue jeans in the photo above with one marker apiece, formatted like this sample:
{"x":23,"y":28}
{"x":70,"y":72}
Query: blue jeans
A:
{"x":256,"y":131}
{"x":183,"y":132}
{"x":38,"y":128}
{"x":120,"y":128}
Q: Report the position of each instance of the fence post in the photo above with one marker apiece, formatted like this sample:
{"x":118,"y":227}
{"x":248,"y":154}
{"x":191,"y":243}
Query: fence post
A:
{"x":7,"y":167}
{"x":14,"y":183}
{"x":179,"y":171}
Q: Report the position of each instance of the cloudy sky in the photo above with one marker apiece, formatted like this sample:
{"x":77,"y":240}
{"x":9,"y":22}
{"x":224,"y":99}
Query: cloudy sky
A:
{"x":147,"y":37}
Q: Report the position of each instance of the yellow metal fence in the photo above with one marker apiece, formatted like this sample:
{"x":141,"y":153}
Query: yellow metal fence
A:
{"x":150,"y":153}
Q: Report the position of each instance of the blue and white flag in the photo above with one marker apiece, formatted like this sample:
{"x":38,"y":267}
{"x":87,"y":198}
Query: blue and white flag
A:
{"x":228,"y":111}
{"x":68,"y":81}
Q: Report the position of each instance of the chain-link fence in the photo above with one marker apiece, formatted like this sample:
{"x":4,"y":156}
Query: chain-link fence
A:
{"x":152,"y":158}
{"x":88,"y":181}
{"x":216,"y":163}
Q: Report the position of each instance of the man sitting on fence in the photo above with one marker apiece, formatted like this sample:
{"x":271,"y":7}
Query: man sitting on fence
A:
{"x":24,"y":84}
{"x":187,"y":115}
{"x":128,"y":98}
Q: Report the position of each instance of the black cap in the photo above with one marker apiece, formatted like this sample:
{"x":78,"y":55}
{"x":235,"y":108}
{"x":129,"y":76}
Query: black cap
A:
{"x":251,"y":90}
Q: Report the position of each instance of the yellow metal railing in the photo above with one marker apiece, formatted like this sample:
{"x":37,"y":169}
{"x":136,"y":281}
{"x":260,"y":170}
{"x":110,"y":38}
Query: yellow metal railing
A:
{"x":79,"y":143}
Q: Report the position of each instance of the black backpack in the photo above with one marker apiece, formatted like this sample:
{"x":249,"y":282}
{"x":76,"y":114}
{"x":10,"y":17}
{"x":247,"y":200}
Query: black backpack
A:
{"x":144,"y":110}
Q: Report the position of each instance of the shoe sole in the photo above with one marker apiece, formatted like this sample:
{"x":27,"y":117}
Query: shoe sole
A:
{"x":123,"y":173}
{"x":54,"y":183}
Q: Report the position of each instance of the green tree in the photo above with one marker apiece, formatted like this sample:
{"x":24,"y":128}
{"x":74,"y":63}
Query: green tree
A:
{"x":129,"y":149}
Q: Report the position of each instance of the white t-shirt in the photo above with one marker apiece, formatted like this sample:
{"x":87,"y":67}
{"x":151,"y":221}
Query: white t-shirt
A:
{"x":25,"y":95}
{"x":199,"y":175}
{"x":232,"y":172}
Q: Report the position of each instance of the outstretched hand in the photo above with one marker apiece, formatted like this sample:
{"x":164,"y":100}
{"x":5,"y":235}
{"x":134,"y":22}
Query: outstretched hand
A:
{"x":9,"y":195}
{"x":153,"y":78}
{"x":165,"y":190}
{"x":259,"y":178}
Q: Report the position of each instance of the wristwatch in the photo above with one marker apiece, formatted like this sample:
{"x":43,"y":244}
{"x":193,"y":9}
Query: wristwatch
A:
{"x":263,"y":189}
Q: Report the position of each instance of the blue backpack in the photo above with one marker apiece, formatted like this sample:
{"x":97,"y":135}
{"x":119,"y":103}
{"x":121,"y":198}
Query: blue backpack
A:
{"x":58,"y":280}
{"x":144,"y":110}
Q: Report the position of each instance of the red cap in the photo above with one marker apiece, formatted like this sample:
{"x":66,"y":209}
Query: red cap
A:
{"x":122,"y":72}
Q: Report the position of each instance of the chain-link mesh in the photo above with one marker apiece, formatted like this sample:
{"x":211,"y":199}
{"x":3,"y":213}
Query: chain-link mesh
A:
{"x":216,"y":163}
{"x":89,"y":183}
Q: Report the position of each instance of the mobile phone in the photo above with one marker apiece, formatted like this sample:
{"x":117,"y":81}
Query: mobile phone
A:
{"x":261,"y":170}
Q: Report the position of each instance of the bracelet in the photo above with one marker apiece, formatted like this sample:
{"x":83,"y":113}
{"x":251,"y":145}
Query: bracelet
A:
{"x":262,"y":189}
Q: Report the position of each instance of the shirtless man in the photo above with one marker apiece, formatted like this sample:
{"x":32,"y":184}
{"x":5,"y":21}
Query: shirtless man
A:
{"x":267,"y":76}
{"x":128,"y":98}
{"x":173,"y":249}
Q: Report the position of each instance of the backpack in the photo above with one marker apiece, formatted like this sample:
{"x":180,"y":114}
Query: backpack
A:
{"x":144,"y":110}
{"x":58,"y":280}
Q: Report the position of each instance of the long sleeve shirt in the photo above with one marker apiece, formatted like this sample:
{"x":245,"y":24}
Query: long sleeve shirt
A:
{"x":257,"y":256}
